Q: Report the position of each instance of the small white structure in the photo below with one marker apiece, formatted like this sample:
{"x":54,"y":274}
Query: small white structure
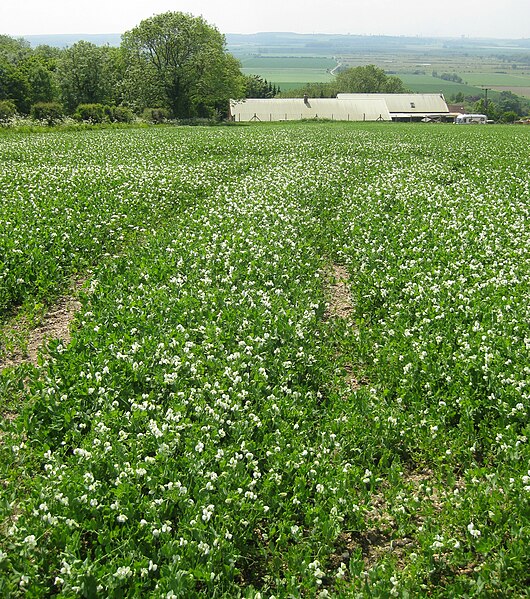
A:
{"x":471,"y":119}
{"x":295,"y":109}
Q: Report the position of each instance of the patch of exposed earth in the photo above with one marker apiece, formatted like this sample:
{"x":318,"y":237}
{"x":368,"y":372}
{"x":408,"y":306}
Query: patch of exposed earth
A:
{"x":55,"y":324}
{"x":340,"y":306}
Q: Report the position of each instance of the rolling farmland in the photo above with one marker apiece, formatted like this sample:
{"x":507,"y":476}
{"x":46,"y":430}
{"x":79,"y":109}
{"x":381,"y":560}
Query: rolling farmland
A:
{"x":289,"y":73}
{"x":292,"y":60}
{"x":299,"y":365}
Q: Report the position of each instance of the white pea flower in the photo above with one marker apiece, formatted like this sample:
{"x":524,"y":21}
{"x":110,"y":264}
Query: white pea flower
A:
{"x":474,"y":532}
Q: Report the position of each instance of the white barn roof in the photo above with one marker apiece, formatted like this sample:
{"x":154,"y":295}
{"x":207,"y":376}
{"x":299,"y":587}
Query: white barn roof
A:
{"x":406,"y":104}
{"x":292,"y":109}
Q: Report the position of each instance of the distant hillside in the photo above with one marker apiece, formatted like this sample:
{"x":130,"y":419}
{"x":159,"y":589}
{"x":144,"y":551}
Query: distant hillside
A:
{"x":311,"y":43}
{"x":283,"y":43}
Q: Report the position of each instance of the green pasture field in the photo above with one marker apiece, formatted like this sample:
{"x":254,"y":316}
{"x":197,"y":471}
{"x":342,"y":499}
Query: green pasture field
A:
{"x":289,"y":72}
{"x":520,"y":91}
{"x":517,"y":83}
{"x":299,"y":367}
{"x":497,"y":79}
{"x":428,"y":85}
{"x":280,"y":76}
{"x":412,"y":61}
{"x":476,"y":82}
{"x":288,"y":62}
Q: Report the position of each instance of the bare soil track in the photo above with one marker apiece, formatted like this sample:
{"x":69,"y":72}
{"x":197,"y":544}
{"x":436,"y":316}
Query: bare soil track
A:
{"x":55,"y":324}
{"x":340,"y":305}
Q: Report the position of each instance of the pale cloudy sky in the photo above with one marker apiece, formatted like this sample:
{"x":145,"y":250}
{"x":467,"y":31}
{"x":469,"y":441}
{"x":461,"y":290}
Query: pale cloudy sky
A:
{"x":474,"y":18}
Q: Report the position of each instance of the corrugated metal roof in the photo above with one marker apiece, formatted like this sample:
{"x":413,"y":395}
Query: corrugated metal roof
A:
{"x":405,"y":103}
{"x":293,"y":109}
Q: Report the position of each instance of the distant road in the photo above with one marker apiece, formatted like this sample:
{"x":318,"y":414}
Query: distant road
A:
{"x":334,"y":69}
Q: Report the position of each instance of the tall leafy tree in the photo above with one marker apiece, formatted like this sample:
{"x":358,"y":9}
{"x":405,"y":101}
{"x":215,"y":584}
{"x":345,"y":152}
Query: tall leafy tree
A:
{"x":83,"y":73}
{"x":14,"y":86}
{"x":510,"y":102}
{"x":367,"y":79}
{"x":179,"y":61}
{"x":39,"y":74}
{"x":13,"y":50}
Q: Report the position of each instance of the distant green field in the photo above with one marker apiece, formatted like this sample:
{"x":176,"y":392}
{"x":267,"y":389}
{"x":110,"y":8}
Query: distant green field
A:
{"x":289,"y":68}
{"x":517,"y":83}
{"x":520,"y":91}
{"x":291,"y":75}
{"x":287,"y":62}
{"x":497,"y":79}
{"x":289,"y":72}
{"x":427,"y":84}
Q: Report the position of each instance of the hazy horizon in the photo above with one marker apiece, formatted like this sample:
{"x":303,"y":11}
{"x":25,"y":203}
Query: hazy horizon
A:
{"x":411,"y":18}
{"x":273,"y":32}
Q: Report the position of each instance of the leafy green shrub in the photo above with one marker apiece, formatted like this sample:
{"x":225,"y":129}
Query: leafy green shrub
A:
{"x":7,"y":109}
{"x":122,"y":114}
{"x":50,"y":112}
{"x":155,"y":115}
{"x":510,"y":116}
{"x":90,"y":112}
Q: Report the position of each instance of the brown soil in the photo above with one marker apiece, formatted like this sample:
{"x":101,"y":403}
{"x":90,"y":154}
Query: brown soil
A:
{"x":340,"y":305}
{"x":55,"y":324}
{"x":340,"y":302}
{"x":374,"y":544}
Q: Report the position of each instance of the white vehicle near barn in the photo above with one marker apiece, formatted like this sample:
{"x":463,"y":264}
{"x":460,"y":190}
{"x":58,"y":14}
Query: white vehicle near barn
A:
{"x":471,"y":119}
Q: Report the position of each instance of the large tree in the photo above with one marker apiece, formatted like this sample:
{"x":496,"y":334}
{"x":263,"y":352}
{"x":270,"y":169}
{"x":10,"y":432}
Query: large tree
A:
{"x":40,"y":75}
{"x":180,"y":62}
{"x":510,"y":102}
{"x":13,"y":50}
{"x":367,"y":79}
{"x":85,"y":74}
{"x":14,"y":86}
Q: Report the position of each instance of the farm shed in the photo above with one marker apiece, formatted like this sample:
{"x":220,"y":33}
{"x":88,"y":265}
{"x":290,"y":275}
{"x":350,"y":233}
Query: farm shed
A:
{"x":409,"y":107}
{"x":294,"y":109}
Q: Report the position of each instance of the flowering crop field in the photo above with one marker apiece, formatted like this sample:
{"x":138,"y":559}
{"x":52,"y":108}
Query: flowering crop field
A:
{"x":213,"y":428}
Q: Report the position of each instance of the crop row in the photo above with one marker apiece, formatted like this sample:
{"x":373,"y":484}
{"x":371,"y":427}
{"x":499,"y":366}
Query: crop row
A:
{"x":199,"y":437}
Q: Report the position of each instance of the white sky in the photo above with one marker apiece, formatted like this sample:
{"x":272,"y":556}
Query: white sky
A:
{"x":473,"y":18}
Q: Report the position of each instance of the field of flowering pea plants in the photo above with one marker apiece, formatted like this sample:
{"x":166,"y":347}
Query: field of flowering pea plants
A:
{"x":214,"y":428}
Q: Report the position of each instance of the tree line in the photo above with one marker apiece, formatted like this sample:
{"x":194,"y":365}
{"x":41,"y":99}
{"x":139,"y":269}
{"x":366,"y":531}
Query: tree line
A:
{"x":172,"y":62}
{"x":506,"y":108}
{"x":172,"y":65}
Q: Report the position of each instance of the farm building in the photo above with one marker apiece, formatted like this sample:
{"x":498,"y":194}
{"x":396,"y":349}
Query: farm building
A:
{"x":409,"y":107}
{"x":345,"y":107}
{"x":294,"y":109}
